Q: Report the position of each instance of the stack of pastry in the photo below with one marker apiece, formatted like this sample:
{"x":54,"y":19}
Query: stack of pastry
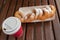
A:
{"x":26,"y":15}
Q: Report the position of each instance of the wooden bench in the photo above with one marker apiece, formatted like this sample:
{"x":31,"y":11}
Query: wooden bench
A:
{"x":32,"y":31}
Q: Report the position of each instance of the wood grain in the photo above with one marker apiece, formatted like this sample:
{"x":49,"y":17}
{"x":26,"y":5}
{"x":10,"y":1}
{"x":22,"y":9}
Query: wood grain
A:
{"x":38,"y":2}
{"x":44,"y":2}
{"x":25,"y":3}
{"x":1,"y":2}
{"x":10,"y":38}
{"x":4,"y":12}
{"x":19,"y":4}
{"x":11,"y":8}
{"x":56,"y":24}
{"x":39,"y":32}
{"x":48,"y":31}
{"x":30,"y":32}
{"x":3,"y":36}
{"x":31,"y":2}
{"x":2,"y":17}
{"x":57,"y":3}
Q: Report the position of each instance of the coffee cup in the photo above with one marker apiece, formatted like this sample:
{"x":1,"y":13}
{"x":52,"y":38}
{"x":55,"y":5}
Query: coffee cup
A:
{"x":12,"y":26}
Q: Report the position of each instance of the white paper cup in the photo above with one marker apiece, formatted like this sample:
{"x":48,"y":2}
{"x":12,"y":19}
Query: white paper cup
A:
{"x":12,"y":26}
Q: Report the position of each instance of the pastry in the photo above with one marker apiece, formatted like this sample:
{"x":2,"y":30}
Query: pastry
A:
{"x":25,"y":16}
{"x":29,"y":17}
{"x":47,"y":12}
{"x":37,"y":13}
{"x":19,"y":15}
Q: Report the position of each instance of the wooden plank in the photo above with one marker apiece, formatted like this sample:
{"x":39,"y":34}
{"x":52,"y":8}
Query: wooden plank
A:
{"x":56,"y":24}
{"x":2,"y":17}
{"x":3,"y":36}
{"x":57,"y":2}
{"x":39,"y":32}
{"x":1,"y":6}
{"x":48,"y":31}
{"x":31,"y":2}
{"x":1,"y":2}
{"x":25,"y":3}
{"x":30,"y":32}
{"x":19,"y":4}
{"x":4,"y":12}
{"x":10,"y":38}
{"x":44,"y":2}
{"x":11,"y":8}
{"x":37,"y":2}
{"x":0,"y":30}
{"x":48,"y":26}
